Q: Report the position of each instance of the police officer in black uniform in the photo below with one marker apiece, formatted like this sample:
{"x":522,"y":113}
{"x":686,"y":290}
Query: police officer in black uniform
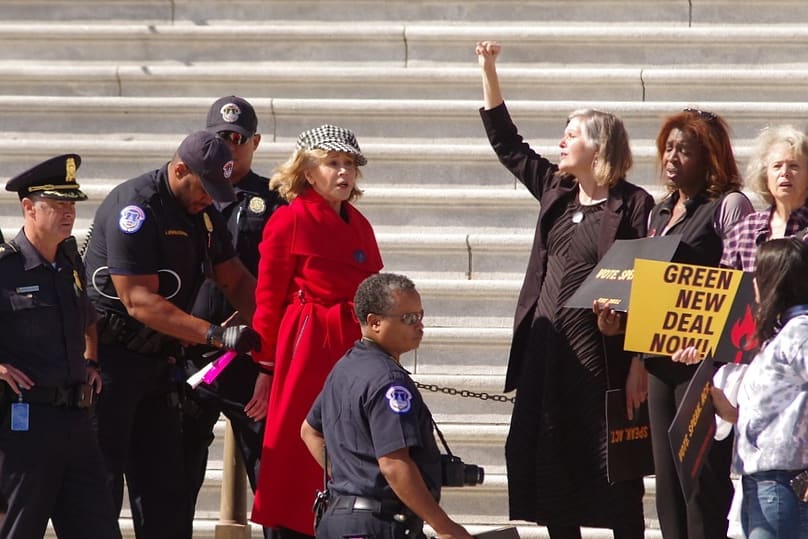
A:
{"x":156,"y":238}
{"x":384,"y":463}
{"x":240,"y":391}
{"x":50,"y":462}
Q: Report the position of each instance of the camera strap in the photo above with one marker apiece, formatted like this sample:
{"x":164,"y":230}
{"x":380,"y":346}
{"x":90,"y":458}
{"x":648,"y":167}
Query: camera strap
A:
{"x":442,"y":439}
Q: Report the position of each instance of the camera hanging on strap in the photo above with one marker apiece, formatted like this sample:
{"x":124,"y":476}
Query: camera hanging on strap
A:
{"x":453,"y":471}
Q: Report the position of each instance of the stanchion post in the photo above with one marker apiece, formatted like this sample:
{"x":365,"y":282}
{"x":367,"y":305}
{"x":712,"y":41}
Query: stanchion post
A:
{"x":233,"y":506}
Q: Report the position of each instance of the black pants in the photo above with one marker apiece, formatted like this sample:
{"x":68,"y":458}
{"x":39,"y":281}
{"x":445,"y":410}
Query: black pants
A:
{"x":230,"y":393}
{"x":54,"y":470}
{"x":705,"y":516}
{"x":338,"y":523}
{"x":140,"y":434}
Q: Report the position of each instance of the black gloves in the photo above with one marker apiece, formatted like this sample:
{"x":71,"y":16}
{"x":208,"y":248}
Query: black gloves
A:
{"x":242,"y":339}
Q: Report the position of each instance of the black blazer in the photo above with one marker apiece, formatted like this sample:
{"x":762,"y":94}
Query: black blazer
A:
{"x":625,"y":217}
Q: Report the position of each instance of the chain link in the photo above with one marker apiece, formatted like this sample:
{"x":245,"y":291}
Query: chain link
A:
{"x":465,"y":393}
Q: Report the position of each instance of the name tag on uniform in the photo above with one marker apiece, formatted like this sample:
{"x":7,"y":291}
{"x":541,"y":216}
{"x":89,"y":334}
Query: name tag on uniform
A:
{"x":19,"y":416}
{"x":28,"y":289}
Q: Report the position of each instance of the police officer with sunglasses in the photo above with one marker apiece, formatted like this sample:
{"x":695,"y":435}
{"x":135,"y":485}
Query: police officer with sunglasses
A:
{"x":372,"y":430}
{"x":241,"y":391}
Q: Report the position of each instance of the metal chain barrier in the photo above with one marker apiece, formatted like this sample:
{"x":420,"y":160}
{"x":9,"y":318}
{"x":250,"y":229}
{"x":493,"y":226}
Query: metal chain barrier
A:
{"x":465,"y":393}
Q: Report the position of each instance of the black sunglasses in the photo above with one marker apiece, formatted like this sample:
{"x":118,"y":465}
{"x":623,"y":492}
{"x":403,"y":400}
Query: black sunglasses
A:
{"x":409,"y":319}
{"x":236,"y":138}
{"x":707,"y":115}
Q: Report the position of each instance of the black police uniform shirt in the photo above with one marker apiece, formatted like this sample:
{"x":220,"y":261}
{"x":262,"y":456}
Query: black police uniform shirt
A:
{"x":141,"y":229}
{"x":246,"y":218}
{"x":44,"y":312}
{"x":255,"y":203}
{"x":369,"y":407}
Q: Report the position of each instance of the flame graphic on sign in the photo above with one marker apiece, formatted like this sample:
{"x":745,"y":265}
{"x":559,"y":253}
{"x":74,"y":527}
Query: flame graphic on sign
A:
{"x":743,"y":334}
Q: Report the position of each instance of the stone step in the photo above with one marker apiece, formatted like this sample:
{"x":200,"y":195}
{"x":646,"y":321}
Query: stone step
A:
{"x":478,"y":350}
{"x":420,"y":252}
{"x":401,"y":209}
{"x":411,"y":43}
{"x":166,"y":11}
{"x":374,"y":120}
{"x":351,"y":80}
{"x":416,"y":164}
{"x":454,"y":303}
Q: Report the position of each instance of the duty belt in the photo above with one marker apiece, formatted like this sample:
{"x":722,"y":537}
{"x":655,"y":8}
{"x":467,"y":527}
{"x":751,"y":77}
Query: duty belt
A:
{"x":384,"y":508}
{"x":75,"y":396}
{"x":134,"y":336}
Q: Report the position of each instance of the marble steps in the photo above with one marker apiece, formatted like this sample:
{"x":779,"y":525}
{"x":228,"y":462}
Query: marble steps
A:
{"x":355,"y":80}
{"x":664,"y":43}
{"x":378,"y":120}
{"x":202,"y":11}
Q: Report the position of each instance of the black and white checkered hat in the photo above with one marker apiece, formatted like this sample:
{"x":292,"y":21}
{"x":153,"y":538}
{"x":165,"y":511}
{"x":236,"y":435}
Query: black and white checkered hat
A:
{"x":333,"y":139}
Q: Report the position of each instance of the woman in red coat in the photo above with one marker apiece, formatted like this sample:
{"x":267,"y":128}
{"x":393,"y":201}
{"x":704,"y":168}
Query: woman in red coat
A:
{"x":314,"y":254}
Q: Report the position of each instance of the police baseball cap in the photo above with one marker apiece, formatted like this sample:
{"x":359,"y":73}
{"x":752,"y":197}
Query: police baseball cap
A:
{"x":54,"y":179}
{"x":208,"y":156}
{"x":232,"y":113}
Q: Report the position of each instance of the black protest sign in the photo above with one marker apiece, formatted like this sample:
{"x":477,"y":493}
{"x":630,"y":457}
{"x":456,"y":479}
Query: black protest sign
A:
{"x":609,"y":282}
{"x":738,"y":343}
{"x":628,"y":453}
{"x":691,"y":433}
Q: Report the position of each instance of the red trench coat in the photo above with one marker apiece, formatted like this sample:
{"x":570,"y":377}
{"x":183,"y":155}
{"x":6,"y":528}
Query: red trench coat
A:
{"x":311,"y":263}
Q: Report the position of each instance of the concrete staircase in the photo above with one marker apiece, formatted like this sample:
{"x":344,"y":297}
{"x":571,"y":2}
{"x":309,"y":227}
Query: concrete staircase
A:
{"x":122,"y":81}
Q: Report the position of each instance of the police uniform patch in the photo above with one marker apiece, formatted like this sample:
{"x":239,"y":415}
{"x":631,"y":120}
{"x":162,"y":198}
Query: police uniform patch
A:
{"x":399,"y":399}
{"x":227,"y":170}
{"x":132,"y":218}
{"x":257,"y":205}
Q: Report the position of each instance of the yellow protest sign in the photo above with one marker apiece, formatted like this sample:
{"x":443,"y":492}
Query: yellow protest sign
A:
{"x":673,"y":306}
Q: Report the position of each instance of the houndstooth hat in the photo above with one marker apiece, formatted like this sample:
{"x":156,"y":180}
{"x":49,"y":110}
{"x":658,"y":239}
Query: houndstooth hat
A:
{"x":333,"y":139}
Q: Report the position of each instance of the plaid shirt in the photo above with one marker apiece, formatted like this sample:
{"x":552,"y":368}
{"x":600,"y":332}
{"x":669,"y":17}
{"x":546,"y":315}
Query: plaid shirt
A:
{"x":742,"y":241}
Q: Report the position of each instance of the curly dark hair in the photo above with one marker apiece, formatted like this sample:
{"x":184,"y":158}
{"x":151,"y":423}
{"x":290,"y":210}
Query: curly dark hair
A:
{"x":780,"y":274}
{"x":375,"y":294}
{"x":711,"y":133}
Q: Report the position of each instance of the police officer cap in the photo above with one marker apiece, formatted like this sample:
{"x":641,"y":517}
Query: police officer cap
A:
{"x":54,"y":179}
{"x":232,"y":113}
{"x":208,"y":156}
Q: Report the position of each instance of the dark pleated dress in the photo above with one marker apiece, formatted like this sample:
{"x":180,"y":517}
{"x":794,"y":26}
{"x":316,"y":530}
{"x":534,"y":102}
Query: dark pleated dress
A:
{"x":556,"y":447}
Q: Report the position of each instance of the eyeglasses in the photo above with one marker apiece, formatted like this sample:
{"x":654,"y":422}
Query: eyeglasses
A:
{"x":707,"y":115}
{"x":236,"y":138}
{"x":409,"y":319}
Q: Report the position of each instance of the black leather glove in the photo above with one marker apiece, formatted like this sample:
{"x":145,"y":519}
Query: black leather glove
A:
{"x":242,"y":339}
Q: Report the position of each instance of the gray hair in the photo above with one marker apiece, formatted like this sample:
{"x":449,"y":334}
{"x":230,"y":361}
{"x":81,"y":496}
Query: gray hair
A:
{"x":771,"y":137}
{"x":375,"y":294}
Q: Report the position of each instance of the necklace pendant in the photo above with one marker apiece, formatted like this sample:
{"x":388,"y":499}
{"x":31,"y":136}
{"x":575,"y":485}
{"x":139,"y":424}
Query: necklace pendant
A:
{"x":577,"y":217}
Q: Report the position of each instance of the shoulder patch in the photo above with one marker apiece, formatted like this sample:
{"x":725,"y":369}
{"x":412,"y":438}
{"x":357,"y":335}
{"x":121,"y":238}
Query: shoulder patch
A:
{"x":399,"y":399}
{"x":132,"y":218}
